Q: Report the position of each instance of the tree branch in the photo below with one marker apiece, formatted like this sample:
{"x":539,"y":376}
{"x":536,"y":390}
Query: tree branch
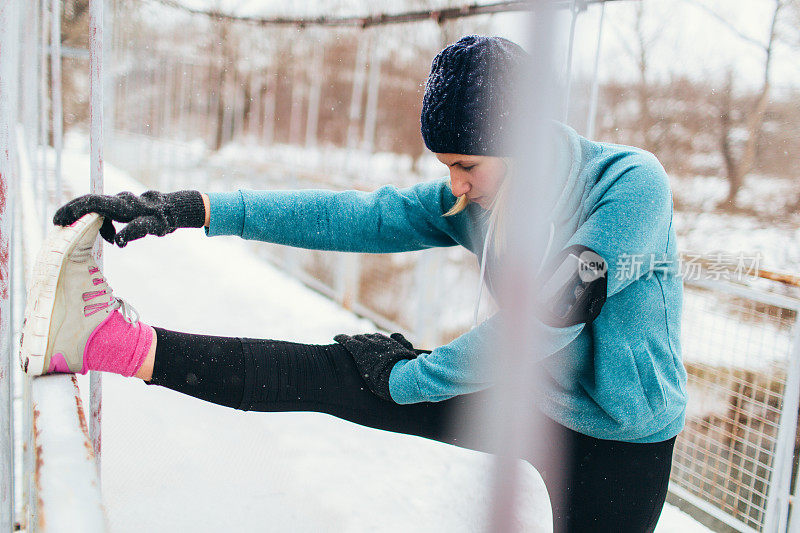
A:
{"x":727,"y":24}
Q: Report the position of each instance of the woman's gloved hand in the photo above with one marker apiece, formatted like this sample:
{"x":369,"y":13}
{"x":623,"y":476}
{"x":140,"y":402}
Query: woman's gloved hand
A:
{"x":153,"y":212}
{"x":375,"y":355}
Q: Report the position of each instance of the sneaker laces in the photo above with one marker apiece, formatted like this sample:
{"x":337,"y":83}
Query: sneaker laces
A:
{"x":127,"y":310}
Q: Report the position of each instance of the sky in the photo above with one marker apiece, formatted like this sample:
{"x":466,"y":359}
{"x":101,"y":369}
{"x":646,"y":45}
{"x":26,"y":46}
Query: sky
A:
{"x":685,"y":39}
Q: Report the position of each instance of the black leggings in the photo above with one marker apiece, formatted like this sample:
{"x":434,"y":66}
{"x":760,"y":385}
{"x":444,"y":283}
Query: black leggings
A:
{"x":602,"y":485}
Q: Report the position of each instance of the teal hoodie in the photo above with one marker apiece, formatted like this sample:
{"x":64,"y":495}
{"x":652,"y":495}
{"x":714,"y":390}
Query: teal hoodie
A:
{"x":620,"y":377}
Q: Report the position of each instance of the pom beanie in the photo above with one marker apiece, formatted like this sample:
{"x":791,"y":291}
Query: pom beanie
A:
{"x":469,"y":96}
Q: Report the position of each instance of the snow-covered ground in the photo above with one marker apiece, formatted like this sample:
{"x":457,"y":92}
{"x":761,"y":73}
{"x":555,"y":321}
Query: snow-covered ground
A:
{"x":174,"y":463}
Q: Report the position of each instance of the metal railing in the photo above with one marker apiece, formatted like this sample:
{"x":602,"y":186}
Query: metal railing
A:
{"x":57,"y":477}
{"x":741,"y":350}
{"x":60,"y":481}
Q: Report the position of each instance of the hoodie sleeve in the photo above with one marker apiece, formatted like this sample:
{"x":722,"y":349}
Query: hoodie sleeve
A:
{"x":385,"y":220}
{"x":629,"y":226}
{"x":464,"y":365}
{"x":630,"y":220}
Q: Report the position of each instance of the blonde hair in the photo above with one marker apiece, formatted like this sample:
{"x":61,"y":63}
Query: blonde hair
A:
{"x":495,"y":210}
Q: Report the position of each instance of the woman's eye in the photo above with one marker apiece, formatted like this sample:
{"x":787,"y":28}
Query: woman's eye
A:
{"x":468,"y":168}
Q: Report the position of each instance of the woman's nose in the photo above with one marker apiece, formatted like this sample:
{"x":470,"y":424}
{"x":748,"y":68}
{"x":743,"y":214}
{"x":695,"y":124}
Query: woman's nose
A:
{"x":459,"y":187}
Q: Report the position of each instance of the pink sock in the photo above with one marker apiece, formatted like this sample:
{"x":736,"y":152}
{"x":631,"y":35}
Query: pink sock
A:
{"x":117,"y":346}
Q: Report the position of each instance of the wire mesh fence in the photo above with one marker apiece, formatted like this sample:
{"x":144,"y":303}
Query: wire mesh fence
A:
{"x":738,"y":351}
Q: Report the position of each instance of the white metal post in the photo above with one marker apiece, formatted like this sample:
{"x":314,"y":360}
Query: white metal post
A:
{"x":110,"y":74}
{"x":515,"y":422}
{"x":297,"y":104}
{"x":776,"y":510}
{"x":574,"y":9}
{"x":58,"y":113}
{"x":346,"y":280}
{"x":425,"y":317}
{"x":591,"y":121}
{"x":269,"y":108}
{"x":96,"y":187}
{"x":357,"y":96}
{"x":44,"y":28}
{"x":316,"y":76}
{"x":237,"y":124}
{"x":6,"y":381}
{"x":373,"y":88}
{"x":184,"y":97}
{"x":30,"y":90}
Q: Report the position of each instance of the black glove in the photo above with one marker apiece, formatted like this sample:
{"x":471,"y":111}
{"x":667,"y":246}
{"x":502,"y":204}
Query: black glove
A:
{"x":375,"y":355}
{"x":153,"y":212}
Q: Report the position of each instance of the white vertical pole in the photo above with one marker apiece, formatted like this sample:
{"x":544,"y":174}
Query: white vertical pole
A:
{"x":30,"y":90}
{"x":7,"y":77}
{"x":237,"y":103}
{"x":184,"y":97}
{"x":254,"y":116}
{"x":574,"y":8}
{"x":426,"y":282}
{"x":777,"y":507}
{"x":110,"y":58}
{"x":58,"y":113}
{"x":269,"y":108}
{"x":357,"y":96}
{"x":373,"y":86}
{"x":591,"y":122}
{"x":123,"y":114}
{"x":96,"y":187}
{"x":228,"y":103}
{"x":316,"y":75}
{"x":43,"y":109}
{"x":168,"y":129}
{"x":297,"y":105}
{"x":516,"y":425}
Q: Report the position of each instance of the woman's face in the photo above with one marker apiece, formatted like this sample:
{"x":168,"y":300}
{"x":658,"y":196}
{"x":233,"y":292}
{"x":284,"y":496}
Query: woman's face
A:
{"x":477,"y":176}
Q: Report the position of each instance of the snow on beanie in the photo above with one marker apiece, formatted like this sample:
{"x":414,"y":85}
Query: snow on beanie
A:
{"x":469,"y":96}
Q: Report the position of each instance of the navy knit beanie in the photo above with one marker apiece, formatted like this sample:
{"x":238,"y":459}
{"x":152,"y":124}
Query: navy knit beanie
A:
{"x":469,"y":96}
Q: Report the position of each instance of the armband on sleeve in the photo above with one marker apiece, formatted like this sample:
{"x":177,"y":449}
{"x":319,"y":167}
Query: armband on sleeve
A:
{"x":572,"y":288}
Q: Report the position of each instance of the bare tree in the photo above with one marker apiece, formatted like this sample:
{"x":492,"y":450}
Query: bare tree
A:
{"x":638,"y":47}
{"x":740,"y":157}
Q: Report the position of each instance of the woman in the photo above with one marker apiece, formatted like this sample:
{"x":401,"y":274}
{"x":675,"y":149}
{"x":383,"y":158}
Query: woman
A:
{"x":614,"y":390}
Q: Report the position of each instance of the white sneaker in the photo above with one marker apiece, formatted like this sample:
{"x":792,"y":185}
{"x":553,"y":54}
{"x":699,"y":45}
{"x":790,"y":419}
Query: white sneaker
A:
{"x":58,"y":316}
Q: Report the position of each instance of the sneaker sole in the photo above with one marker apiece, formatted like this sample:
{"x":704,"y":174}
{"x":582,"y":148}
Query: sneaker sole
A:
{"x":41,"y":294}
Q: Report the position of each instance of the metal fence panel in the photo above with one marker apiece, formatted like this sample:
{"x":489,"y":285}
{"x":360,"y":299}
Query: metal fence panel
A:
{"x":737,"y":352}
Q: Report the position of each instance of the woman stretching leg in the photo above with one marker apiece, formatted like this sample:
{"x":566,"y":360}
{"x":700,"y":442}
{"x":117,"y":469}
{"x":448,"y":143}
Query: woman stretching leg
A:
{"x":613,"y":387}
{"x":95,"y":330}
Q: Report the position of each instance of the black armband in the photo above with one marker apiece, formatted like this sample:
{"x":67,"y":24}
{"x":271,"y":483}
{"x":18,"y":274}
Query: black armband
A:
{"x":572,"y":289}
